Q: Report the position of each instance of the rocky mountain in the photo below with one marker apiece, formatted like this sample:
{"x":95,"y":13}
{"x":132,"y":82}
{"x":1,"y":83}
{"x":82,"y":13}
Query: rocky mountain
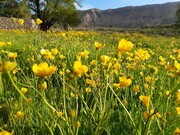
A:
{"x":129,"y":17}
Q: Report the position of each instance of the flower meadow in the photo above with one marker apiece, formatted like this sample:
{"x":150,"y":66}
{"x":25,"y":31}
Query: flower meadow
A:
{"x":89,"y":83}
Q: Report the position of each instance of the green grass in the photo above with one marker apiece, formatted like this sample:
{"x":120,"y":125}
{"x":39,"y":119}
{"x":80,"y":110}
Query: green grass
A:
{"x":104,"y":110}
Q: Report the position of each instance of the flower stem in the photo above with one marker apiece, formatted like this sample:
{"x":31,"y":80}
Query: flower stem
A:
{"x":148,"y":126}
{"x":34,"y":109}
{"x":1,"y":85}
{"x":123,"y":107}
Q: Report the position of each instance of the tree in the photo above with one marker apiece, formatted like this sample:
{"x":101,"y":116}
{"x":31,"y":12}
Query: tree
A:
{"x":14,"y":8}
{"x":50,"y":11}
{"x":68,"y":17}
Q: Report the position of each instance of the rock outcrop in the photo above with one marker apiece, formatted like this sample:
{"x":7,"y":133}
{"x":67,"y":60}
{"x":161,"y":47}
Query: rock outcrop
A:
{"x":9,"y":24}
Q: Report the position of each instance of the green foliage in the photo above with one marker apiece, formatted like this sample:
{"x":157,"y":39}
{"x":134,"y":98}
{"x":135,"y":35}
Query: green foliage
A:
{"x":59,"y":11}
{"x":49,"y":11}
{"x":68,"y":17}
{"x":14,"y":8}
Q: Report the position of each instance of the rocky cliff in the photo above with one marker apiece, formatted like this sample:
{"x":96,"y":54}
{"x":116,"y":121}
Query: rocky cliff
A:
{"x":128,"y":17}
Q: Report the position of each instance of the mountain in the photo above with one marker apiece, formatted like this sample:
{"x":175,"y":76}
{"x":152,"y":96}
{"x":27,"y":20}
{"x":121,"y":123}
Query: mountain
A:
{"x":129,"y":17}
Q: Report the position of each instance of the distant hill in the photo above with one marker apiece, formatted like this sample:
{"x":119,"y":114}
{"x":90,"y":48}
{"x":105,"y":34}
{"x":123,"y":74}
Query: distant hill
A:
{"x":129,"y":17}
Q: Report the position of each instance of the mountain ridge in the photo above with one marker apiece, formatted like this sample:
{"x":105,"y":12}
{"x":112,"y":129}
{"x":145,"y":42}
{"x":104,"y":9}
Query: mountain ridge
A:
{"x":130,"y":16}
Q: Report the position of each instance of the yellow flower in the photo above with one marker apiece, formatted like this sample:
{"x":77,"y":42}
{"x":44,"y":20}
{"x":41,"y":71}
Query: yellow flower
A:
{"x":59,"y":114}
{"x":51,"y":57}
{"x":177,"y":131}
{"x":84,"y":54}
{"x":7,"y":66}
{"x":131,"y":66}
{"x":73,"y":95}
{"x":72,"y":113}
{"x":172,"y":57}
{"x":170,"y":68}
{"x":79,"y":69}
{"x":178,"y":110}
{"x":142,"y":54}
{"x":54,"y":51}
{"x":38,"y":21}
{"x":24,"y":90}
{"x":17,"y":69}
{"x":145,"y":85}
{"x":162,"y":60}
{"x":45,"y":53}
{"x":29,"y":100}
{"x":88,"y":90}
{"x":153,"y":69}
{"x":178,"y":97}
{"x":124,"y":45}
{"x":49,"y":54}
{"x":141,"y":74}
{"x":150,"y":79}
{"x":21,"y":21}
{"x":116,"y":85}
{"x":98,"y":45}
{"x":61,"y":73}
{"x":136,"y":88}
{"x":2,"y":43}
{"x":43,"y":70}
{"x":43,"y":86}
{"x":62,"y":56}
{"x":177,"y":65}
{"x":68,"y":71}
{"x":9,"y":43}
{"x":90,"y":82}
{"x":152,"y":114}
{"x":146,"y":115}
{"x":124,"y":82}
{"x":78,"y":124}
{"x":12,"y":55}
{"x":116,"y":66}
{"x":31,"y":59}
{"x":104,"y":59}
{"x":145,"y":100}
{"x":129,"y":56}
{"x":158,"y":115}
{"x":178,"y":57}
{"x":167,"y":93}
{"x":6,"y":132}
{"x":20,"y":114}
{"x":93,"y":63}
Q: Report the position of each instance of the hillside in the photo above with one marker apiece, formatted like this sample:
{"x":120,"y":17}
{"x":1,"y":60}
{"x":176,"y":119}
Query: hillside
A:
{"x":129,"y":17}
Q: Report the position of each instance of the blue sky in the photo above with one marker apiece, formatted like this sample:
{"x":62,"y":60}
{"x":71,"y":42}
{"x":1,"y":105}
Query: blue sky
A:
{"x":111,"y":4}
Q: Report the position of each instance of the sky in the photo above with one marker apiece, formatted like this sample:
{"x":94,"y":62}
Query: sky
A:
{"x":112,"y":4}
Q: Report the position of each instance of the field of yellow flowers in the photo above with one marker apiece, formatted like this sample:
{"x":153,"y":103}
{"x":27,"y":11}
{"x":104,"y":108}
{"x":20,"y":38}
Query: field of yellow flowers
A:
{"x":89,"y":83}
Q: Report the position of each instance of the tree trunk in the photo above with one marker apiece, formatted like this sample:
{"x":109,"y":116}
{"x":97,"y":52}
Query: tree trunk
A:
{"x":47,"y":25}
{"x":44,"y":27}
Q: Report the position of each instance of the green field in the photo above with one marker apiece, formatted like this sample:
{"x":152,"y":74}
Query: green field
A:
{"x":89,"y":83}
